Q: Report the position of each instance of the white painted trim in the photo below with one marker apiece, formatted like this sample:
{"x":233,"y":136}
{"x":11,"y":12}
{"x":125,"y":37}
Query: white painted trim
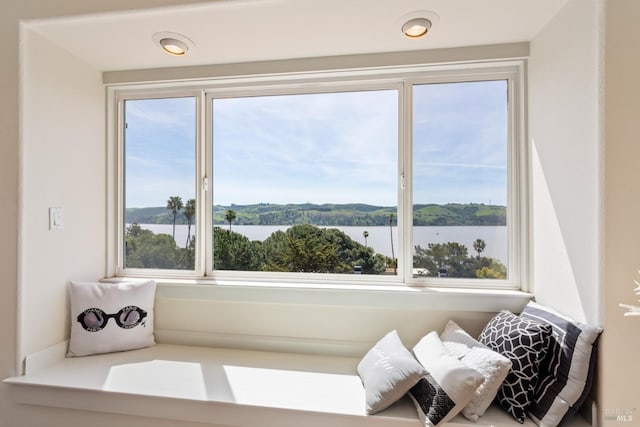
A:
{"x":263,"y":343}
{"x":458,"y":55}
{"x":345,"y":295}
{"x":46,"y":358}
{"x":21,"y":262}
{"x":388,"y":78}
{"x":197,"y":411}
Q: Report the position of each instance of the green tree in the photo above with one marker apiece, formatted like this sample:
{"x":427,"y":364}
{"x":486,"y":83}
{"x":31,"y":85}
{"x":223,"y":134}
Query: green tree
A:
{"x":174,"y":204}
{"x":479,"y":246}
{"x":230,"y":215}
{"x":149,"y":250}
{"x":187,"y":257}
{"x":134,"y":230}
{"x":234,"y":251}
{"x":307,"y":248}
{"x":448,"y":256}
{"x":457,"y":257}
{"x":454,"y":258}
{"x":189,"y":212}
{"x":145,"y":249}
{"x":496,"y":271}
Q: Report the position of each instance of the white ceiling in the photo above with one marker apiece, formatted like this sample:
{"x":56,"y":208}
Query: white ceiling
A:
{"x":234,"y":31}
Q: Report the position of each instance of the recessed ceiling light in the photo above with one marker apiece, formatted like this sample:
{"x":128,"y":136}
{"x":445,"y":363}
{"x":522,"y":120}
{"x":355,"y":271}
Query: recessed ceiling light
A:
{"x":174,"y":46}
{"x":417,"y":24}
{"x":416,"y":27}
{"x":173,"y":43}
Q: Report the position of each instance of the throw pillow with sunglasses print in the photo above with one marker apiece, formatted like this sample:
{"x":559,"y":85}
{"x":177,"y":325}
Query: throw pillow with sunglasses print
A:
{"x":108,"y":317}
{"x":94,"y":319}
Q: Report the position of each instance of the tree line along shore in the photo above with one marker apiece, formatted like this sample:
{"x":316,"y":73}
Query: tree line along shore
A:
{"x":452,"y":214}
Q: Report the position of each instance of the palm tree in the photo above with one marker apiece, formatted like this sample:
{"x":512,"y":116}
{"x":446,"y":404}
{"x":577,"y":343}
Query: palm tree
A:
{"x":479,"y":245}
{"x":230,"y":215}
{"x":174,"y":204}
{"x":189,"y":212}
{"x":365,"y":233}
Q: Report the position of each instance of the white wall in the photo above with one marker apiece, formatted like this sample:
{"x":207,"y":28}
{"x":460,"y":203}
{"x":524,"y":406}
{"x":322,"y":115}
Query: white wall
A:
{"x":63,"y":165}
{"x":9,"y":201}
{"x":574,"y":174}
{"x":564,"y":131}
{"x":620,"y":344}
{"x":309,"y":323}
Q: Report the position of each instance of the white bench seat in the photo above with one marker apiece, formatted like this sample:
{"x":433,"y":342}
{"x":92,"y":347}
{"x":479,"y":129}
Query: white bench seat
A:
{"x":222,"y":386}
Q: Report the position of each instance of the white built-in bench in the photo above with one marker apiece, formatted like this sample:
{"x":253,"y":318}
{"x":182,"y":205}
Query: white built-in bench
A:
{"x":219,"y":386}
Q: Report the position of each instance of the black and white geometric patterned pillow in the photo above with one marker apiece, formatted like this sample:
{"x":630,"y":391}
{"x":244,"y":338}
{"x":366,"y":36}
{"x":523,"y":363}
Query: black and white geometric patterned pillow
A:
{"x":433,"y":401}
{"x":566,"y":374}
{"x":525,"y":343}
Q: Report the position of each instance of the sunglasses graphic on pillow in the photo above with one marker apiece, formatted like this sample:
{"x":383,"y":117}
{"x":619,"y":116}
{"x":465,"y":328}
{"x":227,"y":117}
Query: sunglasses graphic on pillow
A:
{"x":94,"y":319}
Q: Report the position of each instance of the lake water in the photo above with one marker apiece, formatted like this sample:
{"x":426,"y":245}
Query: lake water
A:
{"x":379,"y":239}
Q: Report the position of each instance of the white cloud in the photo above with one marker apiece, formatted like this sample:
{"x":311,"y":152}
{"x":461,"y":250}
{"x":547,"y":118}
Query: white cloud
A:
{"x":338,"y":148}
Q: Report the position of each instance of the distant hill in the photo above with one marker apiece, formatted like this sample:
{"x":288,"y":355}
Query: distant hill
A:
{"x":355,"y":214}
{"x":459,"y":214}
{"x":159,"y":215}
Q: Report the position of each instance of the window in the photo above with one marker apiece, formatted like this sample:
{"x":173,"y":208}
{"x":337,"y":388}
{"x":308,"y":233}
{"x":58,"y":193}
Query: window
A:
{"x":305,"y":182}
{"x":393,"y":179}
{"x":159,"y":176}
{"x":460,"y":191}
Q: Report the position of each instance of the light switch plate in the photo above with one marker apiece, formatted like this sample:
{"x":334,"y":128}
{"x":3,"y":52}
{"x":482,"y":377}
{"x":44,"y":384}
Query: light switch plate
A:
{"x":56,"y":219}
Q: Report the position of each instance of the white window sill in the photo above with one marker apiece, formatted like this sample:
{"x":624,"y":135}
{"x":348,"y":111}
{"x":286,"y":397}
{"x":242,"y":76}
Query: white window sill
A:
{"x":354,"y":295}
{"x":219,"y":386}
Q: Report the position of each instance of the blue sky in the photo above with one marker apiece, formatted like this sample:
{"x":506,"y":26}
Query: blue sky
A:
{"x":159,"y":151}
{"x":323,"y":148}
{"x":459,"y":143}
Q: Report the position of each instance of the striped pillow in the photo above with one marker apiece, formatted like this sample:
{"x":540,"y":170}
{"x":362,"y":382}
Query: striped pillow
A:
{"x":567,"y":372}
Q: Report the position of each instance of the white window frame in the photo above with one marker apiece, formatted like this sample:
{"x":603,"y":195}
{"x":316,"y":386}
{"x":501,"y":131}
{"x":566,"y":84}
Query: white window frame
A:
{"x":120,"y":99}
{"x":396,"y":78}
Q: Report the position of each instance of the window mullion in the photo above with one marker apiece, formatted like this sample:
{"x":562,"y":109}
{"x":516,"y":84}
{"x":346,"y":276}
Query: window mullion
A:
{"x":199,"y":191}
{"x":207,"y":200}
{"x":405,"y":201}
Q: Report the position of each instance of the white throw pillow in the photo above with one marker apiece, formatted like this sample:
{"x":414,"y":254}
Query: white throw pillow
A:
{"x":493,"y":366}
{"x":448,"y":386}
{"x":108,"y":317}
{"x":387,"y":372}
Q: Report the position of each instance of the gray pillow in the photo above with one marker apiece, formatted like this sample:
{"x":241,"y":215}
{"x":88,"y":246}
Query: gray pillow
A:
{"x":388,"y":371}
